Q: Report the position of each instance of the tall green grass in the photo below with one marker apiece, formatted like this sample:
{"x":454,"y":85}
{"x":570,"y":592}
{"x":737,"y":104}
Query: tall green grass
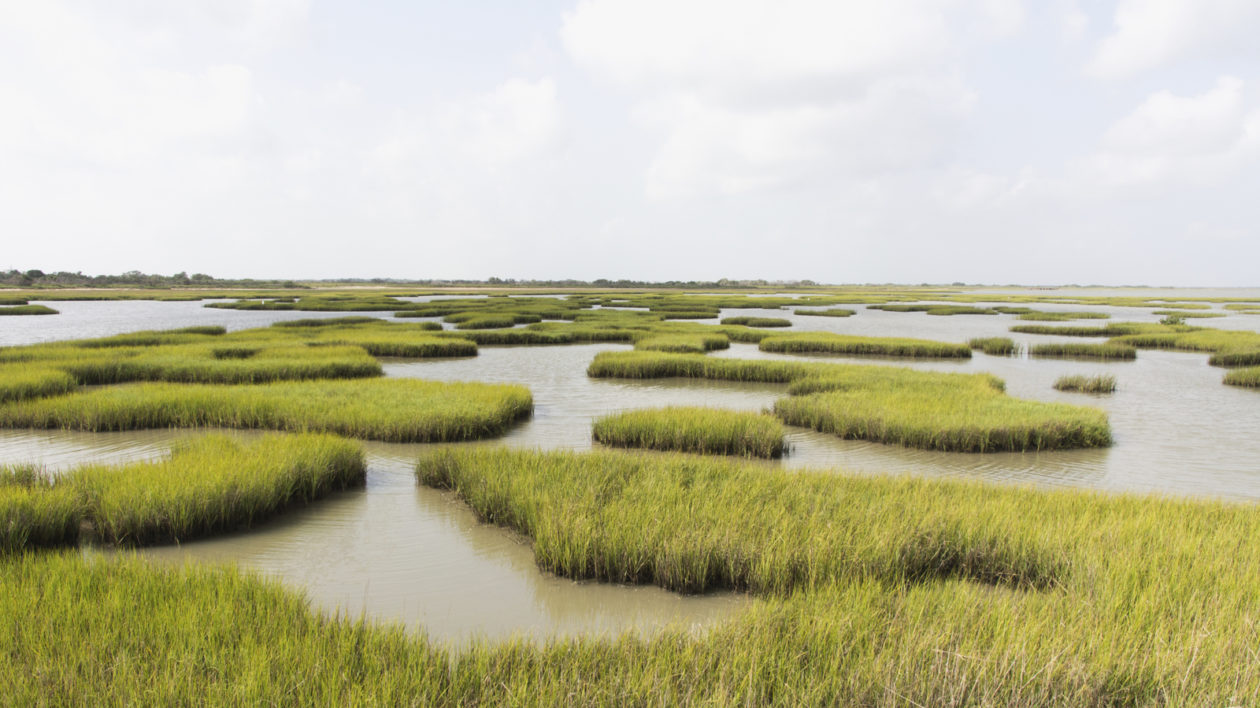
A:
{"x":936,"y":309}
{"x":212,"y":485}
{"x":939,"y":411}
{"x":684,"y":343}
{"x":1086,"y":384}
{"x":693,"y":429}
{"x":827,"y":343}
{"x":1083,"y":350}
{"x":22,"y":380}
{"x":1249,"y":377}
{"x":995,"y":346}
{"x":829,"y":312}
{"x":34,"y":513}
{"x":1061,"y":316}
{"x":949,"y":412}
{"x":1111,"y":329}
{"x":27,"y":310}
{"x":757,"y":321}
{"x":395,"y":410}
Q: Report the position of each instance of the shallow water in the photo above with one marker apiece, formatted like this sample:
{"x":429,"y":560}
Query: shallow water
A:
{"x":400,"y":552}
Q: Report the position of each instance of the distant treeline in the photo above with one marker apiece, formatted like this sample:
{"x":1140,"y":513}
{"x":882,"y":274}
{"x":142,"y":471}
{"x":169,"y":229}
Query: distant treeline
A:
{"x":136,"y":279}
{"x":130,"y":279}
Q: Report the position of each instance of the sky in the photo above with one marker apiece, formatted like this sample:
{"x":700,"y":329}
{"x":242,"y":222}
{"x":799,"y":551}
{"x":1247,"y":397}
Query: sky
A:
{"x":902,"y":141}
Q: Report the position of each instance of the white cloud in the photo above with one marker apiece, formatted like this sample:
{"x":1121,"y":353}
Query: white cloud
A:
{"x":752,"y":94}
{"x":1175,"y":139}
{"x":1152,"y":33}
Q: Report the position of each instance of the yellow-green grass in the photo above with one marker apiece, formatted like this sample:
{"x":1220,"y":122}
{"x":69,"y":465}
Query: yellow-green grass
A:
{"x":27,"y":310}
{"x":757,"y":321}
{"x":693,"y":429}
{"x":995,"y":346}
{"x":1248,"y":377}
{"x":1111,"y":329}
{"x":395,"y":410}
{"x":343,"y":321}
{"x":933,"y":411}
{"x":1083,"y":350}
{"x":153,"y":338}
{"x":21,"y":380}
{"x":938,"y":411}
{"x":1060,"y":316}
{"x":1102,"y":383}
{"x":213,"y":484}
{"x":6,"y":301}
{"x":488,"y":321}
{"x":418,"y":344}
{"x":34,"y":513}
{"x":872,"y":591}
{"x":828,"y":343}
{"x":685,"y":343}
{"x":1229,"y":347}
{"x":222,"y":363}
{"x":829,"y":312}
{"x":1188,"y":315}
{"x":936,"y":309}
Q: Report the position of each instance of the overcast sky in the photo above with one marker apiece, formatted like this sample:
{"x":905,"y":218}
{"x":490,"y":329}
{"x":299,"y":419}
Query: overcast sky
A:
{"x":995,"y":141}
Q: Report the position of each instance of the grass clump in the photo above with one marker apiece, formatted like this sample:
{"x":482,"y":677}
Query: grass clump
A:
{"x":487,"y":322}
{"x":995,"y":346}
{"x":1233,"y":358}
{"x":27,"y":310}
{"x":394,"y":410}
{"x":341,"y":322}
{"x":1248,"y":378}
{"x":1060,"y":316}
{"x":937,"y":411}
{"x":1083,"y":350}
{"x":936,"y":309}
{"x":34,"y":513}
{"x":1111,"y":329}
{"x":1086,"y":384}
{"x":684,"y":343}
{"x":695,"y":524}
{"x":827,"y":343}
{"x":19,"y":381}
{"x":212,"y":485}
{"x":757,"y":321}
{"x":693,"y":429}
{"x":828,"y":312}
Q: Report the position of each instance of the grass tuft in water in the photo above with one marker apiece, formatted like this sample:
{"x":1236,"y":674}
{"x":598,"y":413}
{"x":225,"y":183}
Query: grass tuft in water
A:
{"x":757,"y":321}
{"x":827,"y":343}
{"x":1086,"y":384}
{"x":1083,"y":350}
{"x":995,"y":346}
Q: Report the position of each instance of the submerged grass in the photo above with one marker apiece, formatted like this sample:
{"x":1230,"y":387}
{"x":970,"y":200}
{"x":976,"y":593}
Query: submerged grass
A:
{"x":1083,"y":350}
{"x":1086,"y":384}
{"x":693,"y":429}
{"x":828,"y":343}
{"x":395,"y":410}
{"x":937,"y":411}
{"x":995,"y":346}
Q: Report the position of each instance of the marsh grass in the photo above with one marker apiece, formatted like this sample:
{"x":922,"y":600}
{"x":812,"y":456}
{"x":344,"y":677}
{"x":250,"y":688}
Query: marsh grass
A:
{"x":1103,"y":383}
{"x":33,"y":512}
{"x":1083,"y":350}
{"x":829,"y":312}
{"x":27,"y":310}
{"x":1234,"y":358}
{"x":757,"y":321}
{"x":1111,"y":329}
{"x":1061,"y":316}
{"x":693,"y":429}
{"x":937,"y":411}
{"x":936,"y":309}
{"x":995,"y":346}
{"x":1249,"y":377}
{"x":394,"y":410}
{"x":828,"y":343}
{"x":212,"y":485}
{"x":22,"y":380}
{"x":684,"y":343}
{"x":342,"y":321}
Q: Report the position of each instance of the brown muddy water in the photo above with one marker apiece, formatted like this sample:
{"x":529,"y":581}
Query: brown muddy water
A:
{"x":396,"y":551}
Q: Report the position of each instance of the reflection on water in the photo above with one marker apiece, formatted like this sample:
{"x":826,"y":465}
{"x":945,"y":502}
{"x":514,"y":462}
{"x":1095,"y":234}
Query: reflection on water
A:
{"x":400,"y":552}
